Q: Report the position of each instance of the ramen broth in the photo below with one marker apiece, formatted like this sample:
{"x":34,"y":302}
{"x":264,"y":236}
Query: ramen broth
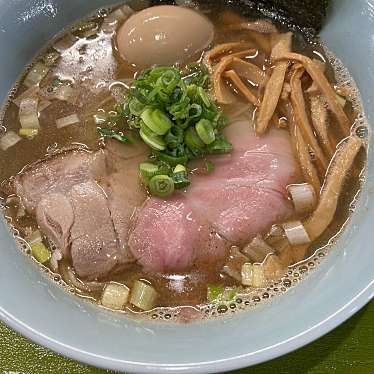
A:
{"x":88,"y":62}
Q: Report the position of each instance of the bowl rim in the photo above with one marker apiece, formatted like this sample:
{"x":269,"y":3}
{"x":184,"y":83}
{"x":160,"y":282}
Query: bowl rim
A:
{"x":217,"y":366}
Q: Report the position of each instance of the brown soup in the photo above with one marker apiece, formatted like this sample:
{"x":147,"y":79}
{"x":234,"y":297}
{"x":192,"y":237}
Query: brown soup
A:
{"x":82,"y":74}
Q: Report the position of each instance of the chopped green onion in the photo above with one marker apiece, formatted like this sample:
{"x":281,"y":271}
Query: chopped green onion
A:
{"x":192,"y":91}
{"x":180,"y":177}
{"x":170,"y":79}
{"x":154,"y":141}
{"x":164,"y":168}
{"x":171,"y":160}
{"x":195,"y":111}
{"x":148,"y":169}
{"x":215,"y":292}
{"x":205,"y":131}
{"x":220,"y":146}
{"x":108,"y":133}
{"x":192,"y":139}
{"x":209,"y":167}
{"x":181,"y":180}
{"x":204,"y":96}
{"x":179,"y":168}
{"x":136,"y":107}
{"x":161,"y":185}
{"x":175,"y":116}
{"x":220,"y":293}
{"x":197,"y":74}
{"x":28,"y":133}
{"x":221,"y":122}
{"x":157,"y":121}
{"x":174,"y":140}
{"x":156,"y":72}
{"x":41,"y":253}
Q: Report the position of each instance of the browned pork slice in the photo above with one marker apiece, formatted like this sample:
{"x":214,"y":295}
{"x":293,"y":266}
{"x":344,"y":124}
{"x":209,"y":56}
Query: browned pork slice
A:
{"x":94,"y":246}
{"x":83,"y":202}
{"x":55,"y":216}
{"x":57,"y":174}
{"x":122,"y":187}
{"x":244,"y":196}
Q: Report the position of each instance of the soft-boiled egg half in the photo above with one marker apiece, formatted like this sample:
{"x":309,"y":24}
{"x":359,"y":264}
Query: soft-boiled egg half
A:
{"x":163,"y":35}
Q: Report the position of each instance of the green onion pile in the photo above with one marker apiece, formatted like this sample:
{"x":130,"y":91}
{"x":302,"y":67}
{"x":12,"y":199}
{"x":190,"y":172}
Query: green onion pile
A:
{"x":174,"y":115}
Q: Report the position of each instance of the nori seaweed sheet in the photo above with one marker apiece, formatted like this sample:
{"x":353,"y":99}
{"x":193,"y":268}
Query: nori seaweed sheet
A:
{"x":306,"y":15}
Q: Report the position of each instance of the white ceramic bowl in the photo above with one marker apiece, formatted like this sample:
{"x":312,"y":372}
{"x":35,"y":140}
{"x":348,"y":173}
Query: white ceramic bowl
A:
{"x":342,"y":284}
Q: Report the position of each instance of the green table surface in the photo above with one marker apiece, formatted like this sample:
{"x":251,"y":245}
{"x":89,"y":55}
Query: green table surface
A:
{"x":347,"y":349}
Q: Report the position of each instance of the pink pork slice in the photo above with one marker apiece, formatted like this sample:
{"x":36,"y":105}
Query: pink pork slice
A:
{"x":244,"y":196}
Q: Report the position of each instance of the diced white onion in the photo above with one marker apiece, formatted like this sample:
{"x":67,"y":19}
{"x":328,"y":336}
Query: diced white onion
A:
{"x":30,"y":92}
{"x":143,"y":295}
{"x":35,"y":237}
{"x":257,"y":249}
{"x":67,"y":121}
{"x":33,"y":93}
{"x":296,"y":233}
{"x":28,"y":113}
{"x":28,"y":133}
{"x":233,"y":266}
{"x":66,"y":93}
{"x":9,"y":140}
{"x":36,"y":74}
{"x":65,"y":43}
{"x":276,"y":237}
{"x":273,"y":268}
{"x":115,"y":296}
{"x":341,"y":100}
{"x":258,"y":276}
{"x":303,"y":197}
{"x":43,"y":104}
{"x":111,"y":22}
{"x":247,"y":274}
{"x":86,"y":29}
{"x":55,"y":258}
{"x":122,"y":13}
{"x":232,"y":271}
{"x":51,"y":58}
{"x":276,"y":231}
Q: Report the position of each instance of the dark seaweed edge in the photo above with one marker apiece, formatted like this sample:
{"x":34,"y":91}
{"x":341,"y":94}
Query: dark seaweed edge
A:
{"x":305,"y":15}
